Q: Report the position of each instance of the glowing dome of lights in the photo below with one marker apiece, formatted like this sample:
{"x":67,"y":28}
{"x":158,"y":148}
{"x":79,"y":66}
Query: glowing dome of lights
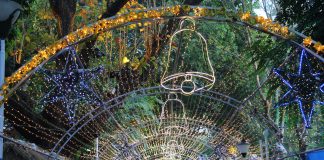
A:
{"x":146,"y":136}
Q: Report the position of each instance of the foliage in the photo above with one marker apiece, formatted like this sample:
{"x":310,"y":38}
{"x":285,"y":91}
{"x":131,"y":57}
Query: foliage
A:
{"x":34,"y":30}
{"x":135,"y":108}
{"x":306,"y":16}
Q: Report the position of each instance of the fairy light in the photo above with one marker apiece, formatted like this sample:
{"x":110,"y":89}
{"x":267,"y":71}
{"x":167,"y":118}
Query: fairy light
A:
{"x":71,"y":85}
{"x":192,"y":133}
{"x":84,"y":132}
{"x":42,"y":133}
{"x":246,"y":16}
{"x":25,"y":125}
{"x":319,"y":47}
{"x":307,"y":41}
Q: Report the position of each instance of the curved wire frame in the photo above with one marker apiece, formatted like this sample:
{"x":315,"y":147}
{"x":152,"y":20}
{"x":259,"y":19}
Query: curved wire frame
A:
{"x":179,"y":129}
{"x":163,"y":142}
{"x":116,"y":102}
{"x":182,"y":144}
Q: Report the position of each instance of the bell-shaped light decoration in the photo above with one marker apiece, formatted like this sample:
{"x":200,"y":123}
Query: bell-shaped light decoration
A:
{"x":243,"y":147}
{"x":173,"y":108}
{"x":184,"y":73}
{"x":172,"y":149}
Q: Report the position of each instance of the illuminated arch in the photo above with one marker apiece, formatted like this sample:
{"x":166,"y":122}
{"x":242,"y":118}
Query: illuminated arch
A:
{"x":156,"y":14}
{"x":266,"y":26}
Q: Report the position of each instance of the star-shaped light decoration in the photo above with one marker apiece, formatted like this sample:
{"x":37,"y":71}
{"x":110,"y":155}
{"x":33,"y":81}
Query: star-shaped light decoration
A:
{"x":306,"y":88}
{"x":72,"y":85}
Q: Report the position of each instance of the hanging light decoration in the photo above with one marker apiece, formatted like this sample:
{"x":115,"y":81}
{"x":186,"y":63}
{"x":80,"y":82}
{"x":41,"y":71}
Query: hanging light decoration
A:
{"x":172,"y":150}
{"x":155,"y":13}
{"x":187,"y":82}
{"x":72,"y":85}
{"x":173,"y":108}
{"x":303,"y":87}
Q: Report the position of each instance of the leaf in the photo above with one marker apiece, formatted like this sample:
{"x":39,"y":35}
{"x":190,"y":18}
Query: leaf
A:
{"x":27,"y":38}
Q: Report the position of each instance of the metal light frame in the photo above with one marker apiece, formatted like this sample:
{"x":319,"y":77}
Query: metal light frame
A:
{"x":188,"y":76}
{"x":116,"y":102}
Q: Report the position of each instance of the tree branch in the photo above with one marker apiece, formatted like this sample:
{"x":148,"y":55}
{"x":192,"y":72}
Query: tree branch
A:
{"x":87,"y":51}
{"x":64,"y":11}
{"x":114,"y":8}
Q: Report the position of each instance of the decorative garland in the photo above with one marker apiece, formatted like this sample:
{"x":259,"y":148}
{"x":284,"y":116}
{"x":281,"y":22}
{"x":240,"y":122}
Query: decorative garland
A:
{"x":275,"y":27}
{"x":154,"y":13}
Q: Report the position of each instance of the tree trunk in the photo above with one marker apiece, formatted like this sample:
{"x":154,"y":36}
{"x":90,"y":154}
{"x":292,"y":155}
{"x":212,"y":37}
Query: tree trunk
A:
{"x":64,"y":11}
{"x":301,"y":132}
{"x":113,"y":8}
{"x":158,"y":45}
{"x":88,"y":51}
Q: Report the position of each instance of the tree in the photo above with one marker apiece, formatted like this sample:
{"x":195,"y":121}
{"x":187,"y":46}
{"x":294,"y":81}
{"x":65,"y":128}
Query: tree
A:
{"x":306,"y":16}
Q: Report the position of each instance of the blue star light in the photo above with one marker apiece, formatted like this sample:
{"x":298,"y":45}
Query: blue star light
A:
{"x":72,"y":85}
{"x":304,"y":87}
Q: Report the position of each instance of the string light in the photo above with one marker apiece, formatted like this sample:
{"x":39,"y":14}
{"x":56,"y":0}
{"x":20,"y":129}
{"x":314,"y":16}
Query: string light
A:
{"x":41,"y":134}
{"x":307,"y":41}
{"x":152,"y":131}
{"x":275,"y":27}
{"x":319,"y":47}
{"x":71,"y":85}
